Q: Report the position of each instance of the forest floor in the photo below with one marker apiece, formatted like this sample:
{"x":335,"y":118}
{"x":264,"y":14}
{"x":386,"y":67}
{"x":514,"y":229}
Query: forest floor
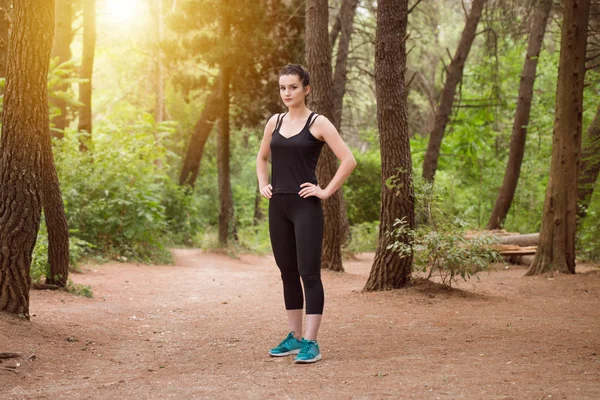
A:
{"x":201,"y":329}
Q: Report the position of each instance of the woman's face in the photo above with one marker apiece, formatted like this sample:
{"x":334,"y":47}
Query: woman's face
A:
{"x":291,"y":91}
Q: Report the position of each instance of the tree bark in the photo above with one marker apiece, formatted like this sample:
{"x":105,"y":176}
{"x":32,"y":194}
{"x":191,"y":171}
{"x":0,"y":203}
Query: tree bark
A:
{"x":193,"y":157}
{"x":25,"y":124}
{"x":521,"y":121}
{"x":5,"y":24}
{"x":87,"y":69}
{"x":61,"y":49}
{"x":346,"y":15}
{"x":453,"y":76}
{"x":590,"y":165}
{"x":223,"y":154}
{"x":556,"y":247}
{"x":318,"y":57}
{"x":389,"y":271}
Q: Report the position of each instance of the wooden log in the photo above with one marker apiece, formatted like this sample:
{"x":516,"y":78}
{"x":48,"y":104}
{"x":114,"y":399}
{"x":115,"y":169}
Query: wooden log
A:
{"x":530,"y":239}
{"x":526,"y":259}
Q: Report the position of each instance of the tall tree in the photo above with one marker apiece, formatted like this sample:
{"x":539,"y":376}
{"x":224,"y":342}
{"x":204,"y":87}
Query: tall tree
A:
{"x":318,"y":57}
{"x":346,"y":18}
{"x":556,"y":246}
{"x":454,"y":74}
{"x":195,"y":149}
{"x":590,"y":165}
{"x":156,"y":7}
{"x":521,"y":121}
{"x":223,"y":155}
{"x":5,"y":23}
{"x":87,"y":69}
{"x":61,"y":50}
{"x":389,"y":270}
{"x":25,"y":124}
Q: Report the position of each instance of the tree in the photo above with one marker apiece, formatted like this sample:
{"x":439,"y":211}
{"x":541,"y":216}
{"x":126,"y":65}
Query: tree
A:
{"x":318,"y":57}
{"x":223,"y":154}
{"x":87,"y":68}
{"x":61,"y":51}
{"x":521,"y":121}
{"x":453,"y":76}
{"x":556,"y":246}
{"x":389,"y":270}
{"x":590,"y":165}
{"x":5,"y":23}
{"x":346,"y":18}
{"x":25,"y":124}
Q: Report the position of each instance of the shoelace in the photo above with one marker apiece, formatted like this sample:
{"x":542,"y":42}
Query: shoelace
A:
{"x":307,"y":349}
{"x":287,"y":340}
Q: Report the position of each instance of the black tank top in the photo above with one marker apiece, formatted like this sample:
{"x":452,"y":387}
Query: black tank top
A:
{"x":294,"y":159}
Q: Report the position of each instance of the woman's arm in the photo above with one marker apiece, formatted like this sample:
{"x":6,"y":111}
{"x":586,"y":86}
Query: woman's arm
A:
{"x":262,"y":159}
{"x":324,"y":130}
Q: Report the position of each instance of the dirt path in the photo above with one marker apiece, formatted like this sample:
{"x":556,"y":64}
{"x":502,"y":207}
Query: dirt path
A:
{"x":202,"y":328}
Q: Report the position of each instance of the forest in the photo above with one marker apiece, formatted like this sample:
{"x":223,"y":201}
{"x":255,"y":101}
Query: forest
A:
{"x":129,"y":140}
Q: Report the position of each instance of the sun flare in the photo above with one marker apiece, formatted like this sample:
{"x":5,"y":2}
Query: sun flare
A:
{"x":123,"y":10}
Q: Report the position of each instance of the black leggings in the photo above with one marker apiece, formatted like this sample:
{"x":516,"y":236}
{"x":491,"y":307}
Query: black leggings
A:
{"x":296,"y":229}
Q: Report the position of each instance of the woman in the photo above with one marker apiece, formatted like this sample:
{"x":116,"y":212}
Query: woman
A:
{"x":294,"y":140}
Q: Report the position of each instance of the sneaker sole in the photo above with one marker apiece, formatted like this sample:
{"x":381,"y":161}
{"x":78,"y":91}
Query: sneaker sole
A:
{"x":289,"y":353}
{"x":314,"y":360}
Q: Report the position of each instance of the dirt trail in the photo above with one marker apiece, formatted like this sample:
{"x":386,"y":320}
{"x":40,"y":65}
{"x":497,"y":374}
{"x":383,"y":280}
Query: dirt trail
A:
{"x":202,"y":328}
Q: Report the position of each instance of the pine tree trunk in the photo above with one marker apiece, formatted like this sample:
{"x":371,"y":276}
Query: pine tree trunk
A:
{"x":590,"y":165}
{"x":318,"y":57}
{"x":389,"y":271}
{"x":87,"y":68}
{"x":556,"y":247}
{"x":453,"y":76}
{"x":346,"y":15}
{"x":61,"y":49}
{"x":5,"y":24}
{"x":25,"y":124}
{"x":193,"y":157}
{"x":223,"y":153}
{"x":521,"y":121}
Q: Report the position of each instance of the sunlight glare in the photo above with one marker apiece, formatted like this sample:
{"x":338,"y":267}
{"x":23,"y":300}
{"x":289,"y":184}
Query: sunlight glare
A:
{"x":122,"y":10}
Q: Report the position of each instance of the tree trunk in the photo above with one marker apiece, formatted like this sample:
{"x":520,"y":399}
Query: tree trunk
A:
{"x":346,"y":15}
{"x":87,"y":68}
{"x":590,"y":165}
{"x":193,"y":157}
{"x":61,"y":49}
{"x":389,"y":271}
{"x":5,"y":23}
{"x":318,"y":57}
{"x":453,"y":76}
{"x":25,"y":124}
{"x":159,"y":77}
{"x":556,"y":247}
{"x":223,"y":155}
{"x":521,"y":122}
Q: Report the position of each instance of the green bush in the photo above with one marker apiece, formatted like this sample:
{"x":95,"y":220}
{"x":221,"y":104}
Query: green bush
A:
{"x":439,"y":246}
{"x":362,"y":190}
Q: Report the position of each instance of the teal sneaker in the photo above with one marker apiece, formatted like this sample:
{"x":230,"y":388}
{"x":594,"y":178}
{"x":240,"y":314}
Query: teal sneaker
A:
{"x":310,"y":352}
{"x":289,"y":345}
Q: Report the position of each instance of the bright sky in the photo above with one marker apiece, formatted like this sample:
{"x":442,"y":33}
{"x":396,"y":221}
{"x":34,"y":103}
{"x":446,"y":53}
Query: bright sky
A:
{"x":123,"y":11}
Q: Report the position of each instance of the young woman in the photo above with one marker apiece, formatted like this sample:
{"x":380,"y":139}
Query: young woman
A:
{"x":294,"y":140}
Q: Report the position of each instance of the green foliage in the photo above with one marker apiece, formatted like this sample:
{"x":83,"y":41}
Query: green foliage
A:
{"x":114,"y":198}
{"x":364,"y":238}
{"x":362,"y":190}
{"x":440,"y":247}
{"x":40,"y":267}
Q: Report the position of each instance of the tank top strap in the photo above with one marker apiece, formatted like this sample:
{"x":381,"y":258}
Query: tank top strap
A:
{"x":279,"y":121}
{"x":313,"y":119}
{"x":308,"y":121}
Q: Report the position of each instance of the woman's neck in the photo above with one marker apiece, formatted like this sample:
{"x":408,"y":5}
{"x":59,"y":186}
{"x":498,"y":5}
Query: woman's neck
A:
{"x":299,"y":112}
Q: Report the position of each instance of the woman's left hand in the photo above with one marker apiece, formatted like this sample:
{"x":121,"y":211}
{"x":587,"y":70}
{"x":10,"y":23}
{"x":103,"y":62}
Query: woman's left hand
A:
{"x":310,"y":189}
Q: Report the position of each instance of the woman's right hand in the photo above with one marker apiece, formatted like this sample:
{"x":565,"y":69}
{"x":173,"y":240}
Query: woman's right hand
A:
{"x":266,"y":191}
